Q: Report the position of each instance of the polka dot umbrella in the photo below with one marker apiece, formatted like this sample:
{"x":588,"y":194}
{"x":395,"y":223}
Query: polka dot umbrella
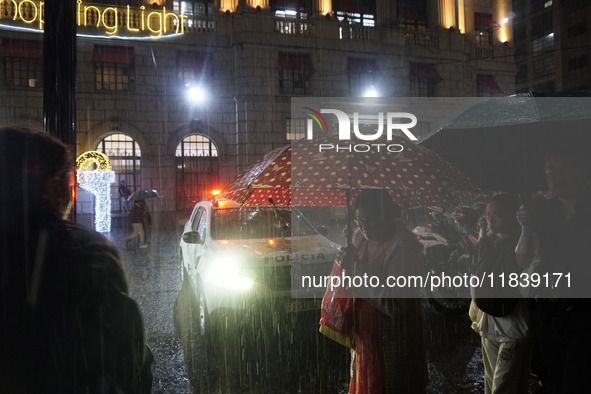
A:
{"x":270,"y":177}
{"x":323,"y":172}
{"x":415,"y":176}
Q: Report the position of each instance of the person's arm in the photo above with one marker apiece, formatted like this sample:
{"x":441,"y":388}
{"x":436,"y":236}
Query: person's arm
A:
{"x":528,"y":243}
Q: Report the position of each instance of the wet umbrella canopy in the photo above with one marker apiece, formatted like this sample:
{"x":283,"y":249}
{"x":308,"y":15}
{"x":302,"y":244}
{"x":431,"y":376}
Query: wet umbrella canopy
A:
{"x":143,"y":195}
{"x":303,"y":176}
{"x":500,"y":142}
{"x":271,"y":178}
{"x":413,"y":175}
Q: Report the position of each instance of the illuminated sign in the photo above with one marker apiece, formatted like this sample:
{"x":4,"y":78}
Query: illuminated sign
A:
{"x":113,"y":19}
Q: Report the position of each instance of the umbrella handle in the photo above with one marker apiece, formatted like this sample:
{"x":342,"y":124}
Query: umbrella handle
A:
{"x":349,"y":214}
{"x":279,"y":213}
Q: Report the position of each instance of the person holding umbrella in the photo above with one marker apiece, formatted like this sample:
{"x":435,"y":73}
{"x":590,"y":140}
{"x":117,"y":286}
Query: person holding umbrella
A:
{"x":497,"y":314}
{"x":139,"y":214}
{"x":387,"y":327}
{"x":561,"y":322}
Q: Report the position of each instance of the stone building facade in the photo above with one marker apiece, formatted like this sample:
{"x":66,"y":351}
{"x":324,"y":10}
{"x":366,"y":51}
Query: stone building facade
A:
{"x":136,"y":64}
{"x":552,"y":45}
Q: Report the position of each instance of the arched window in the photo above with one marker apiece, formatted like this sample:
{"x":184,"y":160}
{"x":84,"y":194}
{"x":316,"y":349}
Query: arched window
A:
{"x":196,"y":159}
{"x":125,"y":155}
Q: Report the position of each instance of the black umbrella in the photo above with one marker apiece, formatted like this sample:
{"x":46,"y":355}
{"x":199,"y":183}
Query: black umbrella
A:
{"x":500,"y":142}
{"x":139,"y":195}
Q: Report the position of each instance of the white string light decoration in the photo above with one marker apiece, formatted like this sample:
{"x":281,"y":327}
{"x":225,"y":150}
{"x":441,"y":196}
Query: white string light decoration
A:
{"x":97,"y":181}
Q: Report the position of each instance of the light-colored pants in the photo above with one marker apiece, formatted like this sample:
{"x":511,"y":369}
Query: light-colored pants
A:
{"x":506,"y":366}
{"x":138,"y":230}
{"x":123,"y":201}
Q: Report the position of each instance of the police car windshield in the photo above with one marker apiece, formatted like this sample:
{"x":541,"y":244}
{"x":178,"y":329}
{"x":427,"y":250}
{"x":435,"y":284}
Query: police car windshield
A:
{"x":258,"y":222}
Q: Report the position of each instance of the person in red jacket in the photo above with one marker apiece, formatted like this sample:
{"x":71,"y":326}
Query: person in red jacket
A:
{"x":386,"y":322}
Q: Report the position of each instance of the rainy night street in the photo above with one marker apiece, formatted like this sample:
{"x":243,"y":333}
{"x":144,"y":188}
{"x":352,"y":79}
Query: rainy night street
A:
{"x":154,"y":278}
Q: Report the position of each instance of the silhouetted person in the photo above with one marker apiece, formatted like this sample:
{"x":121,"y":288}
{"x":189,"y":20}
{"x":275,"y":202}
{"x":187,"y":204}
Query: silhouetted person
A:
{"x":139,"y":216}
{"x":561,"y":322}
{"x":67,"y":323}
{"x":124,"y":194}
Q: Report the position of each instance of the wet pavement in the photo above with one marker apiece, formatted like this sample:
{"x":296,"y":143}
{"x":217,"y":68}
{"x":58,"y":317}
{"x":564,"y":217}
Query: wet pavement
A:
{"x":453,"y":351}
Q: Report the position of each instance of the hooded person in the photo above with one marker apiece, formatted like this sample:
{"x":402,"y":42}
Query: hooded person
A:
{"x":67,"y":322}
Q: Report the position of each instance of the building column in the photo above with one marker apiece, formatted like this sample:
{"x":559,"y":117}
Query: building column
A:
{"x":228,"y":5}
{"x":264,"y":4}
{"x":461,"y":16}
{"x":501,"y":12}
{"x":447,"y":13}
{"x":322,"y":7}
{"x":469,"y":16}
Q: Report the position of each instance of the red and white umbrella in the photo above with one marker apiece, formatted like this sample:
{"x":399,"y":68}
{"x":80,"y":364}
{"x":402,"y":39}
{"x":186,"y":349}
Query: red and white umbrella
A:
{"x":301,"y":174}
{"x":270,"y":177}
{"x":414,"y":176}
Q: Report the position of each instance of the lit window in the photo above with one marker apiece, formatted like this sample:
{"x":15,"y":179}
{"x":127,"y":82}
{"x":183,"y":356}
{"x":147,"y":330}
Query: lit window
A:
{"x":194,"y":8}
{"x":196,"y":145}
{"x":355,"y":12}
{"x":296,"y":129}
{"x":543,"y":44}
{"x":125,"y":155}
{"x":291,"y":16}
{"x":196,"y":161}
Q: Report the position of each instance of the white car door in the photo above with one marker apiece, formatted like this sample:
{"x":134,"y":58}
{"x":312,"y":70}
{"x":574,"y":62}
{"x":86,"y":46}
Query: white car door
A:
{"x":195,"y":250}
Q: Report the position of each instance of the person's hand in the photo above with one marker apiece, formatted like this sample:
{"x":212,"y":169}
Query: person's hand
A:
{"x":482,"y":224}
{"x":525,"y":215}
{"x":347,"y":257}
{"x":482,"y":227}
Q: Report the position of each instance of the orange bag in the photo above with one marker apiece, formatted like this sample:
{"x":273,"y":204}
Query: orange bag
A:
{"x":336,"y":312}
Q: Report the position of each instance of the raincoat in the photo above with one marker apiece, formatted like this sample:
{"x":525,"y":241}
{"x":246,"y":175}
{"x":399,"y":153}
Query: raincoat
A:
{"x":386,"y":328}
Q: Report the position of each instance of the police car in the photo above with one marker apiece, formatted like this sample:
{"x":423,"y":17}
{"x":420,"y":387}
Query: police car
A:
{"x":237,"y":260}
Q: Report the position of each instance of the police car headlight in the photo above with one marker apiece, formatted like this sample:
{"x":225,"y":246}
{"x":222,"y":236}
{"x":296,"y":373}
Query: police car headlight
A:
{"x":226,"y":272}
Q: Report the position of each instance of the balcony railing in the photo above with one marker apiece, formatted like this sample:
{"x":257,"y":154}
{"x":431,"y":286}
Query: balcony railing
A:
{"x":485,"y":53}
{"x":363,"y":33}
{"x":199,"y":25}
{"x":287,"y":26}
{"x":422,"y":39}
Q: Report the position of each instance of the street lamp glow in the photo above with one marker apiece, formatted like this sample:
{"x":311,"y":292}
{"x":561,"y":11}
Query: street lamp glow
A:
{"x":196,"y":94}
{"x":371,"y":92}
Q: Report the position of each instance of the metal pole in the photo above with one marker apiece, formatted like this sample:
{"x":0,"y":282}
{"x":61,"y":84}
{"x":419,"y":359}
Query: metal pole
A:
{"x":59,"y":71}
{"x":59,"y":74}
